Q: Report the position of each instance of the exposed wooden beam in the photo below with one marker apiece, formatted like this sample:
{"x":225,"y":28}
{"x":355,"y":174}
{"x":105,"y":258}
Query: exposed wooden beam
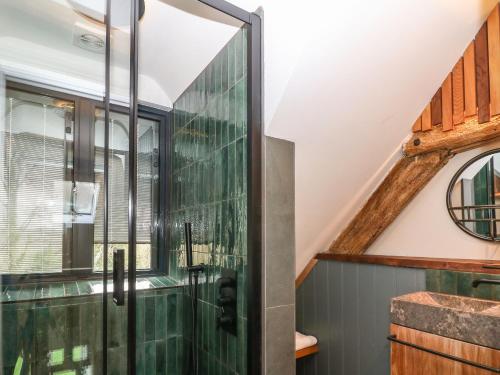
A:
{"x":402,"y":183}
{"x":468,"y":133}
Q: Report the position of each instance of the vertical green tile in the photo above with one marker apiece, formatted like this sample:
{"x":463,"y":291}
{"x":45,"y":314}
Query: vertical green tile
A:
{"x":231,"y":352}
{"x":140,"y":359}
{"x":225,"y":68}
{"x":483,"y":290}
{"x":449,"y":282}
{"x":149,"y":318}
{"x":140,"y":320}
{"x":464,"y":284}
{"x":238,"y":55}
{"x":219,"y":122}
{"x":161,"y":357}
{"x":433,"y":280}
{"x":231,"y":119}
{"x":150,"y":357}
{"x":231,"y":63}
{"x":225,"y":119}
{"x":209,"y":190}
{"x":240,"y":108}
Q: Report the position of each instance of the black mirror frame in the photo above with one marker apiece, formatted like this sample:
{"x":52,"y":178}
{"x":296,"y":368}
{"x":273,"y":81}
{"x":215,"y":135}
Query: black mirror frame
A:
{"x":450,"y":189}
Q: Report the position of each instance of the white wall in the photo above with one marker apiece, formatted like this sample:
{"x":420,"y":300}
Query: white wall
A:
{"x":425,"y":228}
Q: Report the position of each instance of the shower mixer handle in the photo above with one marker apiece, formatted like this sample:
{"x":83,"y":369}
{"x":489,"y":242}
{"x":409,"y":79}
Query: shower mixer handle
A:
{"x":224,"y":320}
{"x":225,"y":300}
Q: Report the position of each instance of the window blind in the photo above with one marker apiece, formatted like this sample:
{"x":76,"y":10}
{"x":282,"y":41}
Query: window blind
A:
{"x":31,"y":189}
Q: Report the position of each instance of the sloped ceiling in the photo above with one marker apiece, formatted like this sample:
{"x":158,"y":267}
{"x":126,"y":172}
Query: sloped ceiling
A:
{"x":358,"y":78}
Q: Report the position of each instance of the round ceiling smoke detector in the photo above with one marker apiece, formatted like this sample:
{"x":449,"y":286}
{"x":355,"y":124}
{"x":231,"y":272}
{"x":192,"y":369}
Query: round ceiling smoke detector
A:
{"x":95,"y":10}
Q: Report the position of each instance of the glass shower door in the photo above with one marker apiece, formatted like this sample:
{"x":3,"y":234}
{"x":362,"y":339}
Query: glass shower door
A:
{"x":2,"y":131}
{"x":53,"y":55}
{"x":205,"y":78}
{"x":113,"y":175}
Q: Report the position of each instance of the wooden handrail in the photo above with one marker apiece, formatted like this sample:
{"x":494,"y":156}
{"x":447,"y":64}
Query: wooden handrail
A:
{"x":464,"y":265}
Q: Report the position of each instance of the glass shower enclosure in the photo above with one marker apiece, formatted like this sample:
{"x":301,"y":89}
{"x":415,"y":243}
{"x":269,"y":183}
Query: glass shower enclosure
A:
{"x":130,"y":230}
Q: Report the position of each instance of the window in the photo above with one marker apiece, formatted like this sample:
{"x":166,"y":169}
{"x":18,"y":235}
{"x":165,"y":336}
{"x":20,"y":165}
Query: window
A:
{"x":52,"y":174}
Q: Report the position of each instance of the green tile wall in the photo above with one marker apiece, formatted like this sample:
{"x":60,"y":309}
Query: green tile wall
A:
{"x":63,"y":334}
{"x":209,"y":189}
{"x":453,"y":282}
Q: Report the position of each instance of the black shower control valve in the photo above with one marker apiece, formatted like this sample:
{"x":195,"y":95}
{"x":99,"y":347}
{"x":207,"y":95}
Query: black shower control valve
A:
{"x":225,"y":300}
{"x":224,"y":321}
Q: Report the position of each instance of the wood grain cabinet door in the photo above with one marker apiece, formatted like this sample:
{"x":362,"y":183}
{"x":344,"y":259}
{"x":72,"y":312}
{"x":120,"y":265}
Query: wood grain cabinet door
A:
{"x":406,"y":360}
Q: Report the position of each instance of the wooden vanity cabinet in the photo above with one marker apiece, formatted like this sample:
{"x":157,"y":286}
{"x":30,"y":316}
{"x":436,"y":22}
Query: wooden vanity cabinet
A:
{"x":406,"y":360}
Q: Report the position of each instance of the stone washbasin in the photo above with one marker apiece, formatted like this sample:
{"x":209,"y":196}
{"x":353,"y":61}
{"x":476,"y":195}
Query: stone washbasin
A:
{"x":473,"y":320}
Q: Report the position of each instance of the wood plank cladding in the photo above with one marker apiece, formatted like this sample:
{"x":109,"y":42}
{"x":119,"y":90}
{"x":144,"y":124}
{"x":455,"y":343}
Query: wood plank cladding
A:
{"x":494,"y":59}
{"x":462,"y":265}
{"x":426,"y":118}
{"x":473,"y":86}
{"x":436,"y":109}
{"x":482,"y":75}
{"x":470,"y":81}
{"x":458,"y":93}
{"x":447,"y":104}
{"x":417,"y":125}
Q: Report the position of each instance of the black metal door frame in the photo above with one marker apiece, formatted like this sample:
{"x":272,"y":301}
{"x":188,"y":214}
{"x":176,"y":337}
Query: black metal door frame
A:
{"x":254,"y":171}
{"x":254,"y":175}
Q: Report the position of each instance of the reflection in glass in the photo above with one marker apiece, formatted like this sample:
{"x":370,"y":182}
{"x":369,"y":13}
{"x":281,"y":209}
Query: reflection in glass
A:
{"x":474,"y":197}
{"x":147,"y":182}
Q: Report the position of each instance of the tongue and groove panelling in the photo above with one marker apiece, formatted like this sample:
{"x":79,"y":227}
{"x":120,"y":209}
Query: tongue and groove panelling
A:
{"x":346,"y":306}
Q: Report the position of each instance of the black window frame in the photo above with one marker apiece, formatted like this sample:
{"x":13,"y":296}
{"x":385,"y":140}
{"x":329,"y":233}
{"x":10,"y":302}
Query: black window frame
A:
{"x":78,"y":265}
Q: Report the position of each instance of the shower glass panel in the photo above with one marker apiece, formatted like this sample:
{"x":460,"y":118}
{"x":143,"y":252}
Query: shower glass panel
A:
{"x":53,"y":58}
{"x":112,"y":153}
{"x":74,"y":296}
{"x":203,"y":78}
{"x":2,"y":133}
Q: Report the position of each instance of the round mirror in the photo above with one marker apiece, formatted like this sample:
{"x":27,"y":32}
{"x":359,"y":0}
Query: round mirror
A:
{"x":473,"y":197}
